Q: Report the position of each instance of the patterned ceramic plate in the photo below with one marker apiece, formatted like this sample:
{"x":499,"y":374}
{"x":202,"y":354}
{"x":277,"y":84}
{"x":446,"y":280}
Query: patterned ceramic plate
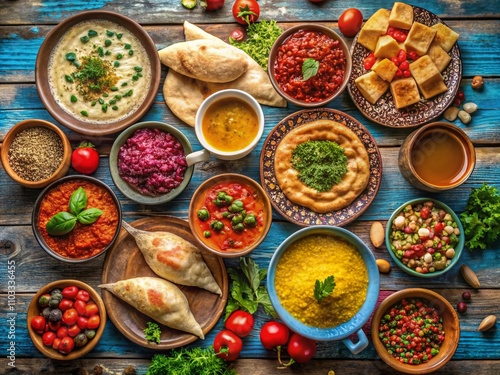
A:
{"x":384,"y":111}
{"x":301,"y":215}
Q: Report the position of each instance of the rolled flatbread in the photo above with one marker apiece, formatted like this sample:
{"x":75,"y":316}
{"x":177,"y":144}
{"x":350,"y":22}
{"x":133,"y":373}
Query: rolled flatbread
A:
{"x":205,"y":59}
{"x":184,"y":95}
{"x":160,"y":300}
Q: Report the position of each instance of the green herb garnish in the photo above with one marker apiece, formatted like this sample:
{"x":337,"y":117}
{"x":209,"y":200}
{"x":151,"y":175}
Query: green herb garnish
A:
{"x":94,"y":77}
{"x":152,"y":332}
{"x":325,"y":288}
{"x":63,"y":222}
{"x":260,"y":38}
{"x":247,"y":291}
{"x":481,"y":218}
{"x":192,"y":360}
{"x":309,"y":68}
{"x":321,"y":164}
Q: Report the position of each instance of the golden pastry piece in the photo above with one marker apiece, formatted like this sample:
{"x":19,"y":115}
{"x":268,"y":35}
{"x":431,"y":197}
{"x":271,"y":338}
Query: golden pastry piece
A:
{"x":341,"y":194}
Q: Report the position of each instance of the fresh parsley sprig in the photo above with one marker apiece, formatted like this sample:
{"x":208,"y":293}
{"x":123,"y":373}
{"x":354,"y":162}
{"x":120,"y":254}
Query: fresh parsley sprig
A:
{"x":152,"y":332}
{"x":325,"y":288}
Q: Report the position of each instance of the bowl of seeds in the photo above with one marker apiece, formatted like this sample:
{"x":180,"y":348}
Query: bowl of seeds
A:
{"x":35,"y":153}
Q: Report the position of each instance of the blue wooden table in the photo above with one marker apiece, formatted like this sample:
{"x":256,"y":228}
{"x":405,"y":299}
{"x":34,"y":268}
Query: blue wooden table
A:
{"x":23,"y":27}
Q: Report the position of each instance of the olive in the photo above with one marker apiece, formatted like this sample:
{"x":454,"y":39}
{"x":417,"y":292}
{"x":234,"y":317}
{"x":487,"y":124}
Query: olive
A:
{"x":226,"y":214}
{"x":203,"y":214}
{"x":221,"y":195}
{"x":236,"y":206}
{"x":217,"y":225}
{"x":236,"y":220}
{"x":466,"y":296}
{"x":219,"y":202}
{"x":228,"y":199}
{"x":90,"y":333}
{"x":81,"y":340}
{"x":53,"y":302}
{"x":55,"y":316}
{"x":250,"y":221}
{"x":46,"y":313}
{"x":461,"y":307}
{"x":56,"y":294}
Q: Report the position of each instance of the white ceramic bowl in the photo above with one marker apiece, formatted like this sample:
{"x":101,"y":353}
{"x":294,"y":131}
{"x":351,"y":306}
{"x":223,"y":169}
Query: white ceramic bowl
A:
{"x":230,"y":93}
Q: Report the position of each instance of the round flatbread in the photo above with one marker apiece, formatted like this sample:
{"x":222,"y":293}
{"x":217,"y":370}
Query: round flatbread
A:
{"x":341,"y":194}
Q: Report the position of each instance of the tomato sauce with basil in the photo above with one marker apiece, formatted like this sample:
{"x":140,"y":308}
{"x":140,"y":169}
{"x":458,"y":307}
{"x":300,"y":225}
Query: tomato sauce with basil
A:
{"x":290,"y":58}
{"x":84,"y":241}
{"x":228,"y":236}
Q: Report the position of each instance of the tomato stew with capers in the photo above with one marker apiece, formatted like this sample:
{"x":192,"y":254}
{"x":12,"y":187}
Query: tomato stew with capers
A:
{"x":424,"y":237}
{"x":412,"y":331}
{"x":68,"y":319}
{"x":231,"y":216}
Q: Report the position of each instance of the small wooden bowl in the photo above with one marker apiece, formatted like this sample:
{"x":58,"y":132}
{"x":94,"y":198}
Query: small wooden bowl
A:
{"x":35,"y":310}
{"x":451,"y":328}
{"x":27,"y":124}
{"x":198,"y":200}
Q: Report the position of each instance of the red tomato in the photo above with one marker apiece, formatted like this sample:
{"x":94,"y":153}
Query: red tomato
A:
{"x":227,"y":345}
{"x":438,"y":227}
{"x":211,"y":4}
{"x":274,"y":335}
{"x":65,"y":304}
{"x":54,"y":326}
{"x":73,"y":330}
{"x":93,"y":322}
{"x":38,"y":324}
{"x":82,"y":322}
{"x":55,"y":343}
{"x":91,"y":309}
{"x":301,"y":349}
{"x":85,"y":158}
{"x":66,"y":345}
{"x":83,"y":295}
{"x":80,"y":307}
{"x":62,"y":332}
{"x":246,"y":12}
{"x":70,"y":292}
{"x":240,"y":322}
{"x":350,"y":22}
{"x":48,"y":338}
{"x":70,"y":316}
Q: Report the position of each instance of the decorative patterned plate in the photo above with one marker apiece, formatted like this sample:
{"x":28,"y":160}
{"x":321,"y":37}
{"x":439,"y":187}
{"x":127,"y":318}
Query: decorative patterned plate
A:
{"x":301,"y":215}
{"x":384,"y":111}
{"x":124,"y":261}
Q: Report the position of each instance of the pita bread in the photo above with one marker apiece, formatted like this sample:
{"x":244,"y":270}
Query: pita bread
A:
{"x":205,"y":59}
{"x":184,"y":95}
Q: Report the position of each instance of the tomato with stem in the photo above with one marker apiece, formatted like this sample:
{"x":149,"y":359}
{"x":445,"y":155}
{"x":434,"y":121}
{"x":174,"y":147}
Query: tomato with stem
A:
{"x":85,"y":158}
{"x":240,"y":322}
{"x":227,"y":345}
{"x":246,"y":12}
{"x":300,"y":348}
{"x":274,"y":335}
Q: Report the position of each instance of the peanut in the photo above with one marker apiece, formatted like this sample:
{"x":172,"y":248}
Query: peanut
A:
{"x":383,"y":265}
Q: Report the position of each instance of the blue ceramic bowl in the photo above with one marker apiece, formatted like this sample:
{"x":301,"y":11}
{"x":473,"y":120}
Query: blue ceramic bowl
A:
{"x":344,"y":330}
{"x":458,"y":248}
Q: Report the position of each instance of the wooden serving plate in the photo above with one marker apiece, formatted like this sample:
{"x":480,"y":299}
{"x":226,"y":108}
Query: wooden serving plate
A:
{"x":124,"y":261}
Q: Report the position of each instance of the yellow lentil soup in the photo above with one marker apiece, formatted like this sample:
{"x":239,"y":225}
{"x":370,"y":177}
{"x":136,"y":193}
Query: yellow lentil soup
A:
{"x":316,"y":257}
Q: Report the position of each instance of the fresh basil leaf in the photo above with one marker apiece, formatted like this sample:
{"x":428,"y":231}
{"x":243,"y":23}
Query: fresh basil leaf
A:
{"x":78,"y":201}
{"x":251,"y":270}
{"x":309,"y":68}
{"x":89,"y":216}
{"x":61,"y":223}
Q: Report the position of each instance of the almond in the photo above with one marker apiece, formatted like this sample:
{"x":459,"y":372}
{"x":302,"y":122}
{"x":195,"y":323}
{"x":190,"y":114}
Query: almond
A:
{"x":487,"y":323}
{"x":383,"y":265}
{"x":377,"y":234}
{"x":469,"y":276}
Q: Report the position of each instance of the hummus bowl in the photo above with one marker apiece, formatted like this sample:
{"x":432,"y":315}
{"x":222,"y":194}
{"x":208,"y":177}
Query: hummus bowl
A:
{"x":97,"y":72}
{"x":353,"y":298}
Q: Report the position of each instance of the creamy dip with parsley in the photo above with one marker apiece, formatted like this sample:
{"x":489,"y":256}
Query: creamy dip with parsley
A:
{"x":99,"y":72}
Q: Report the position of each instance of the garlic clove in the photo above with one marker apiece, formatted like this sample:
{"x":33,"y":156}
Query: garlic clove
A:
{"x":470,"y":107}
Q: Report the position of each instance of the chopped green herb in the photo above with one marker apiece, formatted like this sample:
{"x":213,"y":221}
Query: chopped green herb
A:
{"x":84,"y":113}
{"x":119,"y":56}
{"x":100,"y":51}
{"x":114,"y":88}
{"x":101,"y":101}
{"x":152,"y":332}
{"x":104,"y":108}
{"x":138,"y":68}
{"x":124,"y":84}
{"x":71,"y":56}
{"x":105,"y":94}
{"x":109,"y":33}
{"x":321,"y":164}
{"x":325,"y":288}
{"x":92,"y":33}
{"x":309,"y":68}
{"x":84,"y":39}
{"x":114,"y":108}
{"x":135,"y":77}
{"x":107,"y":53}
{"x":116,"y":64}
{"x":131,"y":52}
{"x":68,"y":78}
{"x":73,"y":99}
{"x":107,"y":42}
{"x":119,"y":35}
{"x":93,"y":103}
{"x":112,"y":101}
{"x":94,"y":77}
{"x":128,"y":46}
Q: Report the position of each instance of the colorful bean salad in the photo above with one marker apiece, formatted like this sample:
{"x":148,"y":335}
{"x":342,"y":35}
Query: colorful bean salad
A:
{"x":412,"y":331}
{"x":424,"y":237}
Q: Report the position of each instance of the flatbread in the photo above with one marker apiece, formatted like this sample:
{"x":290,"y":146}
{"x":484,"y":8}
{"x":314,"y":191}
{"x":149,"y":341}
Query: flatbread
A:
{"x":205,"y":59}
{"x":184,"y":95}
{"x":341,"y":194}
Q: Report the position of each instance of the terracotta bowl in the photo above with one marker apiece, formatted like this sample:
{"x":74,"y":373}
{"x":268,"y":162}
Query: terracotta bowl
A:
{"x":78,"y":124}
{"x":34,"y":310}
{"x":201,"y":200}
{"x":318,"y":28}
{"x":28,"y":124}
{"x":451,"y":326}
{"x":399,"y":261}
{"x":35,"y":217}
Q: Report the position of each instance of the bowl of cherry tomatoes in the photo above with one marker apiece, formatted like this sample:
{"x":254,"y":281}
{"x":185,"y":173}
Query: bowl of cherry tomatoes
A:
{"x":66,"y":319}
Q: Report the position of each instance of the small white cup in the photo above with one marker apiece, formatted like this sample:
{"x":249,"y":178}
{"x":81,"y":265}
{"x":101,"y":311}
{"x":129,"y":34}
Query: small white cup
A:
{"x":229,"y":93}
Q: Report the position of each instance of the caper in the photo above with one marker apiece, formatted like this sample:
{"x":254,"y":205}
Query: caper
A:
{"x":55,"y":315}
{"x":203,"y":214}
{"x":236,"y":220}
{"x":218,"y":202}
{"x":207,"y":234}
{"x":90,"y":333}
{"x":81,"y":340}
{"x":250,"y":221}
{"x":217,"y":225}
{"x":236,"y":206}
{"x":239,"y":227}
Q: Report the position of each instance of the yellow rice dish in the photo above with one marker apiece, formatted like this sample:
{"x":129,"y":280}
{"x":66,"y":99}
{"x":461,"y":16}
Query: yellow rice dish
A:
{"x":315,"y":258}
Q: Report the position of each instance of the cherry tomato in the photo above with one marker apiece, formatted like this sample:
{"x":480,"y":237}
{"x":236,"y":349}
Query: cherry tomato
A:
{"x":274,"y":335}
{"x":227,"y":345}
{"x":70,"y":292}
{"x":38,"y":324}
{"x":55,"y":343}
{"x":300,"y":348}
{"x":91,"y":309}
{"x":83,"y":295}
{"x":66,"y":345}
{"x":80,"y":307}
{"x":85,"y":158}
{"x":54,"y":326}
{"x":48,"y":338}
{"x":425,"y":212}
{"x":62,"y":332}
{"x":93,"y":322}
{"x":65,"y":304}
{"x":82,"y":322}
{"x":240,"y":322}
{"x":211,"y":4}
{"x":246,"y":11}
{"x":70,"y":317}
{"x":369,"y":61}
{"x":73,"y":330}
{"x":350,"y":22}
